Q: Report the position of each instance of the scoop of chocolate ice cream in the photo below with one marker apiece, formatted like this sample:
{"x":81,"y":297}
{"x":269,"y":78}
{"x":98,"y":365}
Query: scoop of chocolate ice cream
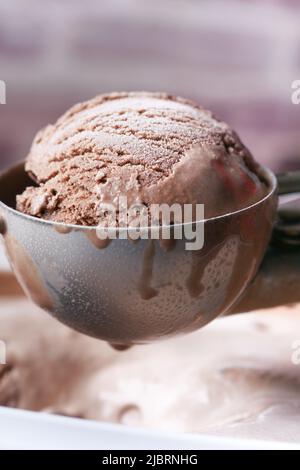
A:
{"x":149,"y":147}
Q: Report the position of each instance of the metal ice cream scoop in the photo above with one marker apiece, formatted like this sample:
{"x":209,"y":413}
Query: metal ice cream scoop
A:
{"x":129,"y":292}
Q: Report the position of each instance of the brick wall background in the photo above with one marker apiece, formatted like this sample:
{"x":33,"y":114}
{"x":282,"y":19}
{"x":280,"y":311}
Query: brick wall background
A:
{"x":236,"y":57}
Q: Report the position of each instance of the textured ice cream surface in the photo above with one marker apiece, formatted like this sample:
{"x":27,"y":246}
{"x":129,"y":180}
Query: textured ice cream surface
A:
{"x":150,"y":147}
{"x":237,"y":377}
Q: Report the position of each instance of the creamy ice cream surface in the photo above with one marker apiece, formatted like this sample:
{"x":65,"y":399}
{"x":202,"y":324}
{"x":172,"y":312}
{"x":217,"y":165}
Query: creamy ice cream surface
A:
{"x":149,"y":147}
{"x":237,"y":377}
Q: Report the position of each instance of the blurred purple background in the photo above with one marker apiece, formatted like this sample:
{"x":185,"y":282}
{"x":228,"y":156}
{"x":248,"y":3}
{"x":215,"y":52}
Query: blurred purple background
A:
{"x":238,"y":58}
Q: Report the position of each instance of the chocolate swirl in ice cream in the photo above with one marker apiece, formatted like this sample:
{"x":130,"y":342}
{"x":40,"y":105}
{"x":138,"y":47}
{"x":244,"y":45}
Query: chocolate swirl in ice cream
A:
{"x":150,"y":147}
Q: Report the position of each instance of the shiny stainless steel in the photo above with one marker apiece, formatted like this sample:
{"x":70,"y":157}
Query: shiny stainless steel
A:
{"x":98,"y":291}
{"x":289,"y":182}
{"x":287,"y":229}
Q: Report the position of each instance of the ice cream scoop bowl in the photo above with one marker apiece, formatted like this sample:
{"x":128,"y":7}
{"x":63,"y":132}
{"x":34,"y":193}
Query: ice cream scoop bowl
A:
{"x":127,"y":292}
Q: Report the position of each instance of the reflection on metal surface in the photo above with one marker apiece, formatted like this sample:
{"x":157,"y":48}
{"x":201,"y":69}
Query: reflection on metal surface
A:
{"x":98,"y":292}
{"x":27,"y":273}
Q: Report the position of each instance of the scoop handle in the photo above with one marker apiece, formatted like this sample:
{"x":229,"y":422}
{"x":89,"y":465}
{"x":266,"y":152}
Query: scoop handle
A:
{"x":288,"y":183}
{"x":278,"y":280}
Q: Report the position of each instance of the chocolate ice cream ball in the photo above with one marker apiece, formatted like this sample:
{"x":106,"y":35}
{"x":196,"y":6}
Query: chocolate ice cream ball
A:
{"x":149,"y":147}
